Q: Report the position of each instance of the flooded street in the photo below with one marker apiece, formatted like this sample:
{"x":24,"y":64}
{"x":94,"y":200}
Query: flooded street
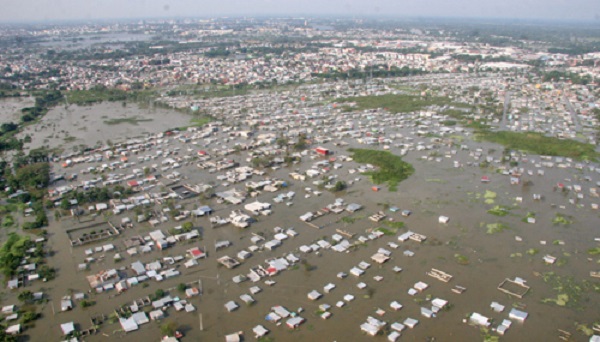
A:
{"x":435,"y":189}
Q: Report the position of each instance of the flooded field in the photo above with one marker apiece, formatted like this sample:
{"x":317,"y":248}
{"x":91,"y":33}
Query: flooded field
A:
{"x":109,"y":121}
{"x":10,"y":108}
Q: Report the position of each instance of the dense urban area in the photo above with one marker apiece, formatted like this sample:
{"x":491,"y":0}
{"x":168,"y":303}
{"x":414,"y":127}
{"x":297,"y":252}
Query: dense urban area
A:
{"x":279,"y":179}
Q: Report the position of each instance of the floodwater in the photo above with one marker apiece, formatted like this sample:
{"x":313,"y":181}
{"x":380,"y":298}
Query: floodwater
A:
{"x":436,"y":188}
{"x":66,"y":127}
{"x":488,"y":254}
{"x":10,"y":108}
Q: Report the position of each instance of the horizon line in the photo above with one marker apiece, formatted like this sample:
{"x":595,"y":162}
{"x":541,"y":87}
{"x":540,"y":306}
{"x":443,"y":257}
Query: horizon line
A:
{"x":297,"y":17}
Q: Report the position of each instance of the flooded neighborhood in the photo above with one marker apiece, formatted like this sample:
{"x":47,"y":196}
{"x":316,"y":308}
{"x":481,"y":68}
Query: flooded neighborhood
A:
{"x":410,"y":207}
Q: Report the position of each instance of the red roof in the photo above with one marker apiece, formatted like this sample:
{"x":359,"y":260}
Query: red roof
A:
{"x":132,"y":183}
{"x":196,"y":252}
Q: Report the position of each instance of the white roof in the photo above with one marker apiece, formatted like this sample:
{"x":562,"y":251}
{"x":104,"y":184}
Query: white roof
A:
{"x":128,"y":324}
{"x":13,"y":329}
{"x":231,"y":305}
{"x":260,"y":331}
{"x":67,"y":328}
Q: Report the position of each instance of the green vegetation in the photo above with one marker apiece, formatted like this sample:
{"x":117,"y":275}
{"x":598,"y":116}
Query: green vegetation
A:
{"x":8,"y":221}
{"x":529,"y":215}
{"x":400,"y":103}
{"x":594,"y":251}
{"x":570,"y":292}
{"x":87,"y":303}
{"x":575,"y":78}
{"x":498,"y":227}
{"x":95,"y":95}
{"x":25,"y":296}
{"x":29,"y":316}
{"x":540,"y":144}
{"x":461,"y":259}
{"x":392,"y":169}
{"x":168,"y":328}
{"x":202,"y":120}
{"x":532,"y":251}
{"x":386,"y":231}
{"x":489,"y":197}
{"x":43,"y":101}
{"x":129,"y":120}
{"x":339,"y":186}
{"x":181,"y":287}
{"x":159,"y":293}
{"x":560,"y":219}
{"x":584,"y":329}
{"x":394,"y":224}
{"x":204,"y":91}
{"x":499,"y":210}
{"x":187,"y":227}
{"x":12,"y":252}
{"x":351,"y":219}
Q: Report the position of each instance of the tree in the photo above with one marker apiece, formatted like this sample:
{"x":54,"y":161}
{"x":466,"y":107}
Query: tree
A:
{"x":25,"y":296}
{"x":339,"y":186}
{"x":159,"y":293}
{"x":8,"y":127}
{"x":64,"y":204}
{"x":187,"y":226}
{"x":168,"y":328}
{"x":301,"y":144}
{"x":29,"y":316}
{"x":47,"y":272}
{"x":181,"y":287}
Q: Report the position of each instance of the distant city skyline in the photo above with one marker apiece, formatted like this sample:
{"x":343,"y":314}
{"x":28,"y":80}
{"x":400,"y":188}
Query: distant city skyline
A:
{"x":59,"y":10}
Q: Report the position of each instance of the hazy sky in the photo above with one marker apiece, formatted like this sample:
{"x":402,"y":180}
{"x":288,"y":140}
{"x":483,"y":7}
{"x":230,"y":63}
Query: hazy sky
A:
{"x":35,"y":10}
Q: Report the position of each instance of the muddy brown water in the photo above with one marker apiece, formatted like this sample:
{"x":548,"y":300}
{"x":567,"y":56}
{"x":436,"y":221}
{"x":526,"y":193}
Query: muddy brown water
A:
{"x":71,"y":126}
{"x":436,"y":188}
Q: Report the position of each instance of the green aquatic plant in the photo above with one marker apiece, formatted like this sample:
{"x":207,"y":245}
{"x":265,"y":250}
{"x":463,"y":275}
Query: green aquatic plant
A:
{"x":494,"y":228}
{"x":499,"y":210}
{"x":560,"y":219}
{"x":461,"y":259}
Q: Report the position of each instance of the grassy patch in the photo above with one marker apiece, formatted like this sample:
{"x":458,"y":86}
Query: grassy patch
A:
{"x":498,"y":227}
{"x":489,"y":197}
{"x":540,"y":144}
{"x":563,"y":220}
{"x":130,"y":120}
{"x":394,"y":224}
{"x":8,"y":221}
{"x":392,"y":169}
{"x":499,"y":210}
{"x":351,"y":219}
{"x":594,"y":251}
